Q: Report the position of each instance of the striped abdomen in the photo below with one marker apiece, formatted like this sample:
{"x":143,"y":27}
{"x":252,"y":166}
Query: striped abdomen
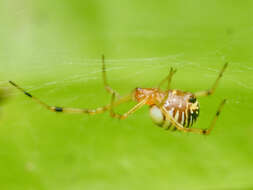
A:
{"x":182,"y":106}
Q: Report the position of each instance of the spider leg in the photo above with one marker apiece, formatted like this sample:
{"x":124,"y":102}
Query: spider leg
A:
{"x":212,"y":89}
{"x":125,"y":115}
{"x":194,"y":130}
{"x":73,"y":110}
{"x":106,"y":85}
{"x":168,"y":78}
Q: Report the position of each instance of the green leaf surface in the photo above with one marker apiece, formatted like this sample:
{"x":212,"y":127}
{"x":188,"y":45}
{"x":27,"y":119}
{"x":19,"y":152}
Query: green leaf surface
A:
{"x":53,"y":50}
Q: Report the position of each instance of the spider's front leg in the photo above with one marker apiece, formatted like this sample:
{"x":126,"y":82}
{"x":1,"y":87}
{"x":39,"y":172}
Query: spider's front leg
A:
{"x":212,"y":89}
{"x":72,"y":110}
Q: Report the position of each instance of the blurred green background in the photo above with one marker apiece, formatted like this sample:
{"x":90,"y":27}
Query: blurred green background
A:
{"x":53,"y":49}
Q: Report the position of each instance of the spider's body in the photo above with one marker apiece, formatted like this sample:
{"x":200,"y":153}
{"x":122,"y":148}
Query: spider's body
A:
{"x":170,"y":109}
{"x":182,"y":106}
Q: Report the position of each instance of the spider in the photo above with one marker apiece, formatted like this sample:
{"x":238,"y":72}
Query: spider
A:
{"x":170,"y":109}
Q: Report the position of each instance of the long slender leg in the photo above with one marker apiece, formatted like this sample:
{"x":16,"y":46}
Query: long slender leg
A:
{"x":212,"y":89}
{"x":106,"y":85}
{"x":168,"y":78}
{"x":73,"y":110}
{"x":125,"y":115}
{"x":194,"y":130}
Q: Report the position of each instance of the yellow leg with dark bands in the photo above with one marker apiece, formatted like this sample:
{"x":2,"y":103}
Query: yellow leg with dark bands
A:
{"x":73,"y":110}
{"x":211,"y":91}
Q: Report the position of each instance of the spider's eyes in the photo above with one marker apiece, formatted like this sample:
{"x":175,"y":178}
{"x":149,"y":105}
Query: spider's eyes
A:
{"x":192,"y":100}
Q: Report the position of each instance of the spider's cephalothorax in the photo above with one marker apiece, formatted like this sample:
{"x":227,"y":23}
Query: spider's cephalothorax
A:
{"x":182,"y":106}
